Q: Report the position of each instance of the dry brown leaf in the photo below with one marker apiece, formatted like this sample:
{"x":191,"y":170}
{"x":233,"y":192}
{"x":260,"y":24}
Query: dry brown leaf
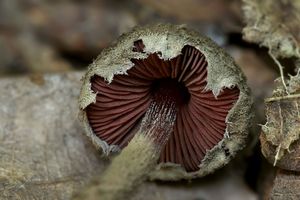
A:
{"x":275,"y":25}
{"x":280,"y":135}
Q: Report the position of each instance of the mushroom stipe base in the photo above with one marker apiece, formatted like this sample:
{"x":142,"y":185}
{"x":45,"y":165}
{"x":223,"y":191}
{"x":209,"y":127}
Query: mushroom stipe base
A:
{"x":127,"y":171}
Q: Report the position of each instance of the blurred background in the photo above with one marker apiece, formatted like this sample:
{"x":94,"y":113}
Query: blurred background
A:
{"x":62,"y":35}
{"x":53,"y":36}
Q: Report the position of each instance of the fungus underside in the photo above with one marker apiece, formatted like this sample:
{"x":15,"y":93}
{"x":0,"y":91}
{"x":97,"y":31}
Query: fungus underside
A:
{"x":168,"y":101}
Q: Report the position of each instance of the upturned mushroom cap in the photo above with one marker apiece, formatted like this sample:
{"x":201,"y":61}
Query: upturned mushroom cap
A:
{"x":212,"y":102}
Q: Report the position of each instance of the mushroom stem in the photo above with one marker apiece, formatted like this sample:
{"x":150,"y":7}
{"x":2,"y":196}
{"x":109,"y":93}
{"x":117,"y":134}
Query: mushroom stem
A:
{"x":132,"y":166}
{"x":127,"y":170}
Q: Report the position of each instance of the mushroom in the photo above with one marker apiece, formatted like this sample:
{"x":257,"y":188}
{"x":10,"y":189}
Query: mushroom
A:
{"x":171,"y":101}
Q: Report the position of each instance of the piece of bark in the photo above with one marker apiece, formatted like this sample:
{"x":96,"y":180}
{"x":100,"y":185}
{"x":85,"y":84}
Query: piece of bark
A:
{"x":45,"y":155}
{"x":285,"y":186}
{"x":42,"y":152}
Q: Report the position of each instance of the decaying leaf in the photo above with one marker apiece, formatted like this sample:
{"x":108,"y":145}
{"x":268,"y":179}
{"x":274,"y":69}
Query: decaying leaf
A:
{"x":280,"y":135}
{"x":275,"y":25}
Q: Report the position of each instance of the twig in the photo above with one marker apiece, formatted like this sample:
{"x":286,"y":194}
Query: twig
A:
{"x":280,"y":70}
{"x":290,"y":96}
